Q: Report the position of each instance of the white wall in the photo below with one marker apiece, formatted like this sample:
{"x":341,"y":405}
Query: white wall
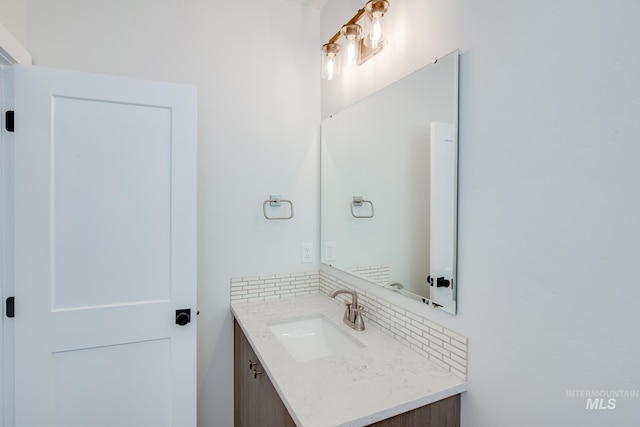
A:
{"x":255,"y":64}
{"x":13,"y":17}
{"x":549,"y":207}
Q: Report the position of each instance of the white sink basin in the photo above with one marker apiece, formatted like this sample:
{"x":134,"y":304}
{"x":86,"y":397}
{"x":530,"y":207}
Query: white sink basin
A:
{"x":312,"y":337}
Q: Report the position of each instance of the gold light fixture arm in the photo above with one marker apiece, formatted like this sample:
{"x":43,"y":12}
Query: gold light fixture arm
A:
{"x":353,"y":20}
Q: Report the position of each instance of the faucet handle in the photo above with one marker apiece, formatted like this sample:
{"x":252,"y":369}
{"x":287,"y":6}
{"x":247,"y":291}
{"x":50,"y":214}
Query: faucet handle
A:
{"x":358,"y":320}
{"x":347,"y":312}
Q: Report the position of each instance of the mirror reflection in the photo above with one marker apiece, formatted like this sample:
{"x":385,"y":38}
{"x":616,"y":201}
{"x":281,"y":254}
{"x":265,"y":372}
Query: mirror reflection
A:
{"x":389,"y":186}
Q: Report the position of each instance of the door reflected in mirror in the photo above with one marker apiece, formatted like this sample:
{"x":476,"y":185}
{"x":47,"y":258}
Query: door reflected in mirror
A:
{"x":389,"y":186}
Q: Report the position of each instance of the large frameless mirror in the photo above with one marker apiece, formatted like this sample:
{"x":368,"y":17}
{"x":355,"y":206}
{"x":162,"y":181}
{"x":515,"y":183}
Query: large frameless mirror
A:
{"x":389,"y":186}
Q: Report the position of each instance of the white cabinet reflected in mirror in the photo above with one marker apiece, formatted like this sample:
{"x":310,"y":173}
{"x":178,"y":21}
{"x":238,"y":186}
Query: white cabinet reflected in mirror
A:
{"x":389,"y":186}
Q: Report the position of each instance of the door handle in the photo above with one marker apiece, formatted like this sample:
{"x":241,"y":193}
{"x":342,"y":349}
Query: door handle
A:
{"x":183,"y":316}
{"x":11,"y":308}
{"x":442,"y":282}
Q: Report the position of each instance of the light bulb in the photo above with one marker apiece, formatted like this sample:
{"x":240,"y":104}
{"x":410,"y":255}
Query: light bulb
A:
{"x":351,"y":52}
{"x":375,"y":35}
{"x":331,"y":67}
{"x":352,"y":33}
{"x":330,"y":61}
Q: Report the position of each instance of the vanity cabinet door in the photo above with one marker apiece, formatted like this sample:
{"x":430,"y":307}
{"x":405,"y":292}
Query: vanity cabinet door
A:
{"x":256,"y":402}
{"x":444,"y":413}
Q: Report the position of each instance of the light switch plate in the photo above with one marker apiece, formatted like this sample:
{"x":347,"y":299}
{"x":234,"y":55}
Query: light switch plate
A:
{"x":329,"y":251}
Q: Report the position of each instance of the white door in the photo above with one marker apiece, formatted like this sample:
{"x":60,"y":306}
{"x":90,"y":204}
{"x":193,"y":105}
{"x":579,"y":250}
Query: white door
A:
{"x":105,"y":251}
{"x":442,"y":218}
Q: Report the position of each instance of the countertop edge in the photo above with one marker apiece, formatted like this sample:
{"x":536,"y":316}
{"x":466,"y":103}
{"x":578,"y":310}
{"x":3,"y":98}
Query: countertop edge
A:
{"x":409,"y":406}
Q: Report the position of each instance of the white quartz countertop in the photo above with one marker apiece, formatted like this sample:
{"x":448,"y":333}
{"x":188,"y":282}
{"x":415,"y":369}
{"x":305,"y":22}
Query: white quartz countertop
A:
{"x":355,"y":388}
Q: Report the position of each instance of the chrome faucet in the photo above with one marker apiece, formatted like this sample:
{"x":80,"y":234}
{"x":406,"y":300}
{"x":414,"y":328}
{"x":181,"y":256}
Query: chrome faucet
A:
{"x":353,"y":313}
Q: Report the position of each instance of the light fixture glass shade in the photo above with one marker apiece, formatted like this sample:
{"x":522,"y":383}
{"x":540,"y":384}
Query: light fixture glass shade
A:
{"x":352,"y":33}
{"x":375,"y":36}
{"x":330,"y":61}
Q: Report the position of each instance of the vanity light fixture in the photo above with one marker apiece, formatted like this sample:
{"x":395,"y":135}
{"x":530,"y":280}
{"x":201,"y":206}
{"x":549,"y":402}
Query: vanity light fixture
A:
{"x":360,"y":44}
{"x":330,"y":60}
{"x":352,"y":33}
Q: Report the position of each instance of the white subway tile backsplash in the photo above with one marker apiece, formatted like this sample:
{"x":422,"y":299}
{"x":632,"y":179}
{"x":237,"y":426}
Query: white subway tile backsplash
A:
{"x":455,"y":336}
{"x":432,"y":339}
{"x":418,"y":349}
{"x":274,"y":286}
{"x":375,"y":273}
{"x":432,"y":353}
{"x":414,"y":317}
{"x":442,"y":346}
{"x":433,"y":326}
{"x":459,"y":359}
{"x":439,"y":349}
{"x":423,"y":341}
{"x":401,"y":318}
{"x":454,"y":364}
{"x":455,"y":350}
{"x":459,"y":345}
{"x":413,"y":329}
{"x":441,"y":337}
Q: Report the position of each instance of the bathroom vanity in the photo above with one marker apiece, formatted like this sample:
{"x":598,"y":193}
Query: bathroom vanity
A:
{"x":347,"y":378}
{"x":256,"y":400}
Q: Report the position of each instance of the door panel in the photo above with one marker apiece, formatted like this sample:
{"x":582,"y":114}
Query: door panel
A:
{"x":134,"y":378}
{"x":111,"y":196}
{"x":105,"y":247}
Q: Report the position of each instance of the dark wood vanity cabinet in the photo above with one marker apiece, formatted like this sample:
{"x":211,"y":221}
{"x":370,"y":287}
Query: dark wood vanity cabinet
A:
{"x":443,"y":413}
{"x":256,"y":401}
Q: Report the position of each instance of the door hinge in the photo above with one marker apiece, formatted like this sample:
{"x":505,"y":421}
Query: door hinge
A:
{"x":9,"y":120}
{"x":10,"y":308}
